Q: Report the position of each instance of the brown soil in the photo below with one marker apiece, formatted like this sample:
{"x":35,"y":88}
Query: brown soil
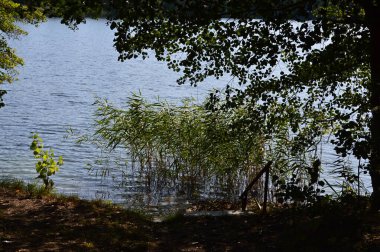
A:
{"x":67,"y":224}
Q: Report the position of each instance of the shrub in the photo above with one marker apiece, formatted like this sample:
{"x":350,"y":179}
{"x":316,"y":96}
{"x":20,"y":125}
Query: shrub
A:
{"x":46,"y":165}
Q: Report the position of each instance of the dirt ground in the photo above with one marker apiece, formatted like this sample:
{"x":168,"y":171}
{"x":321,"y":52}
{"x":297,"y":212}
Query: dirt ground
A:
{"x":50,"y":223}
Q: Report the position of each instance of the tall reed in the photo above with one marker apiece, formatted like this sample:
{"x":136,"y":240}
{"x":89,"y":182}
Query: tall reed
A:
{"x":184,"y":148}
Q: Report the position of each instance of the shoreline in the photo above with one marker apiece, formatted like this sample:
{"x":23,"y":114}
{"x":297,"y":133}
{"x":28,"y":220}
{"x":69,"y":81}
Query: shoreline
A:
{"x":31,"y":220}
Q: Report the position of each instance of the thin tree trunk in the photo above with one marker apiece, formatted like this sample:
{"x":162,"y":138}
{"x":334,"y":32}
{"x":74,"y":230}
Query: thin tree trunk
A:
{"x":373,"y":17}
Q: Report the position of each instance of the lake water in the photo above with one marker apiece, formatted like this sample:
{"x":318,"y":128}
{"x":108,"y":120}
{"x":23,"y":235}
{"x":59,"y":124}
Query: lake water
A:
{"x":63,"y":74}
{"x":64,"y":71}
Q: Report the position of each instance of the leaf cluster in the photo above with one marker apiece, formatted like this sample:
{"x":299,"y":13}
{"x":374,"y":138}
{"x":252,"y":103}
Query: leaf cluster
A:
{"x":46,"y":165}
{"x":299,"y":188}
{"x":11,"y":14}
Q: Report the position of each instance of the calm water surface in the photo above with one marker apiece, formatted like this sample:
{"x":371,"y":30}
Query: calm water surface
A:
{"x":63,"y":74}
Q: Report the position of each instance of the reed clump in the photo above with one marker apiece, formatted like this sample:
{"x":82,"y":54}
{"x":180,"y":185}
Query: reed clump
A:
{"x":184,"y":147}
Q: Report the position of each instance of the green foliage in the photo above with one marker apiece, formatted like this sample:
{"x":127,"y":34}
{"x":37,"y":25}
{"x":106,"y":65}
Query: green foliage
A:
{"x":306,"y":94}
{"x":182,"y":147}
{"x":11,"y":14}
{"x":72,"y":12}
{"x":46,"y":165}
{"x":299,"y":189}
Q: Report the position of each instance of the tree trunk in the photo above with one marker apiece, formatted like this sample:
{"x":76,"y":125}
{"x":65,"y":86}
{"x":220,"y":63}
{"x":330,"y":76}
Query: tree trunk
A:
{"x":373,"y":18}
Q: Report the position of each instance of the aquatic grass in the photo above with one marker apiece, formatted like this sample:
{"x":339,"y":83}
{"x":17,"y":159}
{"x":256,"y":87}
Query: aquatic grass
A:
{"x":190,"y":152}
{"x":33,"y":190}
{"x":185,"y":148}
{"x":14,"y":184}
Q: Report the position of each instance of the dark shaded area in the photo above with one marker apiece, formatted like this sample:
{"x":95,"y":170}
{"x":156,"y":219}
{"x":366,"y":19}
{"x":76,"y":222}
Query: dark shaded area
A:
{"x":330,"y":230}
{"x":50,"y":223}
